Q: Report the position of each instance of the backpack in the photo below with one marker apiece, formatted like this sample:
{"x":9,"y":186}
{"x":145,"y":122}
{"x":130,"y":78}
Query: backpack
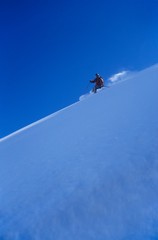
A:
{"x":100,"y":81}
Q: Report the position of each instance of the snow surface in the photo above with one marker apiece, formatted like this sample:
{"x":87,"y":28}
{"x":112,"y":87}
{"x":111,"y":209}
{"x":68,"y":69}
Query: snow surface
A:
{"x":87,"y":172}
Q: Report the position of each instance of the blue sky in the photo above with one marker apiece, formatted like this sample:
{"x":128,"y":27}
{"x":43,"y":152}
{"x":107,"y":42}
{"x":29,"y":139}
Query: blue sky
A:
{"x":49,"y":50}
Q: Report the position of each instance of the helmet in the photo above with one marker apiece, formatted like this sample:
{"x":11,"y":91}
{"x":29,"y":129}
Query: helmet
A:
{"x":97,"y":75}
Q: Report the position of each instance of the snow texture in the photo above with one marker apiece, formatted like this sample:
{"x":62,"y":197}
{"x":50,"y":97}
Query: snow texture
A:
{"x":89,"y":171}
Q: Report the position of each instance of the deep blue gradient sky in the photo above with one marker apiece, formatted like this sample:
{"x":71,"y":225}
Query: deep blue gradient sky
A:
{"x":49,"y":50}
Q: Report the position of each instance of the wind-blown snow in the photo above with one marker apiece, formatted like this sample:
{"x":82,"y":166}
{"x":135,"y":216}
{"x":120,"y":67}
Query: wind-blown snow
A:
{"x":121,"y":76}
{"x":88,"y":172}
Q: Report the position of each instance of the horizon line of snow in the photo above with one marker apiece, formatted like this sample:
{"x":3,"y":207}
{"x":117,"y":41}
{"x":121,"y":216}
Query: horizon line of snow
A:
{"x":63,"y":109}
{"x":36,"y":122}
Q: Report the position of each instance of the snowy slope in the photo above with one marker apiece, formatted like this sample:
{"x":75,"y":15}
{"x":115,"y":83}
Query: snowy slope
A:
{"x":89,"y":171}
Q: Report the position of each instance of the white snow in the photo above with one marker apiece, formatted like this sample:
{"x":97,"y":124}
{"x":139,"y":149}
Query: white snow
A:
{"x":121,"y":76}
{"x":87,"y":172}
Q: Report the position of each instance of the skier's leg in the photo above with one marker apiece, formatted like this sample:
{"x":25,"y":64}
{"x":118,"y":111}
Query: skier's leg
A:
{"x":95,"y":89}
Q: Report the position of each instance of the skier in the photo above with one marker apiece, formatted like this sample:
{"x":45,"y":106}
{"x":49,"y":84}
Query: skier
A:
{"x":99,"y":82}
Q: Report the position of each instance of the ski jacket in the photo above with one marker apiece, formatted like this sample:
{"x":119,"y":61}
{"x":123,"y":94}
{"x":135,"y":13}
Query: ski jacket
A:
{"x":98,"y":81}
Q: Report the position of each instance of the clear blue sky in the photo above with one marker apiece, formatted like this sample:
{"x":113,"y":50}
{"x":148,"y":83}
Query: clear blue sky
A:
{"x":49,"y":50}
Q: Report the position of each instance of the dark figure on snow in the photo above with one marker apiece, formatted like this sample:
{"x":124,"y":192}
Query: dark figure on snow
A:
{"x":99,"y":82}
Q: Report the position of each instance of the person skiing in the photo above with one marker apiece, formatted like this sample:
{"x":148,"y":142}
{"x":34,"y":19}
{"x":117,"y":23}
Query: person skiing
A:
{"x":99,"y":82}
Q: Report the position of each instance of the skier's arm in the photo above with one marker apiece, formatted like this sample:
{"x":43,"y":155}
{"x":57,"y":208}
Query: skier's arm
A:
{"x":93,"y":81}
